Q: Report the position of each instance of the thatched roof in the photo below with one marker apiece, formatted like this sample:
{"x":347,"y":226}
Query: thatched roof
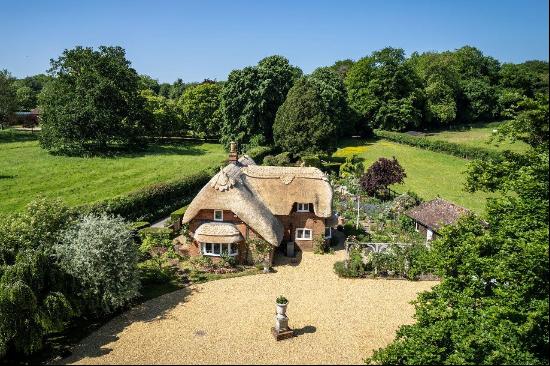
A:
{"x":436,"y":213}
{"x":257,"y":193}
{"x":218,"y":232}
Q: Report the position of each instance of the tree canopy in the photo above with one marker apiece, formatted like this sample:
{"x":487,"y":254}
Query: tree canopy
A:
{"x":251,"y":97}
{"x":8,"y":96}
{"x":311,"y":118}
{"x":384,"y":90}
{"x":380,"y":175}
{"x":201,"y":108}
{"x":92,"y":103}
{"x":491,"y":306}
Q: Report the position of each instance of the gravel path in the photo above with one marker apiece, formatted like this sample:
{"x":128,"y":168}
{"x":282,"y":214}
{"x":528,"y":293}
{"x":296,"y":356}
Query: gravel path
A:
{"x":338,"y":321}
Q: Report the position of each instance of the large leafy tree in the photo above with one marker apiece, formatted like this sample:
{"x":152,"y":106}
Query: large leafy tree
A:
{"x":385,"y":91}
{"x":8,"y":96}
{"x":312,"y":116}
{"x":441,"y":86}
{"x":201,"y":108}
{"x":92,"y":103}
{"x":251,"y":97}
{"x":165,"y":114}
{"x":491,"y":306}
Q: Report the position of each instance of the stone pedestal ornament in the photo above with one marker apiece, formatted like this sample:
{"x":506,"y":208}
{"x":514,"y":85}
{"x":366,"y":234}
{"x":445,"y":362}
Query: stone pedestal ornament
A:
{"x":281,"y":330}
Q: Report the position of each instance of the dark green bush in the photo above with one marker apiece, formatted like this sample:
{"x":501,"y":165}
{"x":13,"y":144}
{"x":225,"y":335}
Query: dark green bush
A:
{"x":330,"y":167}
{"x":178,"y":214}
{"x":311,"y":160}
{"x":258,"y":153}
{"x":462,"y":151}
{"x":154,"y":201}
{"x":282,"y":159}
{"x":355,"y":267}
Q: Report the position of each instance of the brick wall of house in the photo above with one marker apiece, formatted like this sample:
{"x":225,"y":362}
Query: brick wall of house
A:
{"x":300,"y":220}
{"x":244,"y":254}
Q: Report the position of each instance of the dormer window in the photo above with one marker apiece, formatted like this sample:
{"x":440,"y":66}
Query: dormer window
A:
{"x":302,"y":207}
{"x":218,"y":215}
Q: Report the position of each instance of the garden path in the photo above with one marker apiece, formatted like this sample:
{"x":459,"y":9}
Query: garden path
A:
{"x":337,"y":321}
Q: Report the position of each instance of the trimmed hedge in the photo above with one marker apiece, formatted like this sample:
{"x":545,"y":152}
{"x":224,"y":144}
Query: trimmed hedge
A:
{"x":152,"y":202}
{"x":178,"y":214}
{"x":461,"y":151}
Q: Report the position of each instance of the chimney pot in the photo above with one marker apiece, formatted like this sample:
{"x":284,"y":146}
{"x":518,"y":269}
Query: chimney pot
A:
{"x":233,"y":156}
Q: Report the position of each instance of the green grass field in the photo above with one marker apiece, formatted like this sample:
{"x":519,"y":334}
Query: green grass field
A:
{"x":27,"y":171}
{"x":476,"y":135}
{"x":429,"y":174}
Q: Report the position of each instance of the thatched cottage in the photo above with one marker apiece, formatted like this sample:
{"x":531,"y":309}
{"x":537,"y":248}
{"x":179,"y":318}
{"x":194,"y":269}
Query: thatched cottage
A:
{"x":430,"y":216}
{"x":245,"y":201}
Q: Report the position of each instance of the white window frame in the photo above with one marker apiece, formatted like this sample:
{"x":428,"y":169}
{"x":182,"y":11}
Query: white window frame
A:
{"x":303,"y":236}
{"x":416,"y":226}
{"x":329,"y":232}
{"x":218,"y":211}
{"x":221,"y":249}
{"x":302,"y":207}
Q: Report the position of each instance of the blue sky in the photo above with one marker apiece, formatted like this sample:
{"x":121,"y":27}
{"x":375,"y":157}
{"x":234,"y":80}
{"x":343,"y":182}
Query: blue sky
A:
{"x":207,"y":39}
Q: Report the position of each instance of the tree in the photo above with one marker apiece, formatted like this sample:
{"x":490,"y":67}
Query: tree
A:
{"x":251,"y":98}
{"x":385,"y":91}
{"x":166,"y":118}
{"x":381,"y":174}
{"x":100,"y":253}
{"x":92,"y":103}
{"x":342,"y":67}
{"x":8,"y":97}
{"x":201,"y":107}
{"x":440,"y":78}
{"x":310,"y":119}
{"x":26,"y":100}
{"x":491,"y":306}
{"x":147,"y":82}
{"x":36,"y":296}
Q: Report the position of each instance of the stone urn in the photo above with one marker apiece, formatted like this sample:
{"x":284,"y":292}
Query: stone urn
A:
{"x":281,"y":320}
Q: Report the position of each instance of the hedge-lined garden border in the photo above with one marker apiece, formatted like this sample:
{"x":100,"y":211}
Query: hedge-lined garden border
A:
{"x":154,"y":201}
{"x":461,"y":151}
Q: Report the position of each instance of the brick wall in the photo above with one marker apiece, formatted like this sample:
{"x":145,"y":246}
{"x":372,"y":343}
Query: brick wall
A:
{"x":306,"y":220}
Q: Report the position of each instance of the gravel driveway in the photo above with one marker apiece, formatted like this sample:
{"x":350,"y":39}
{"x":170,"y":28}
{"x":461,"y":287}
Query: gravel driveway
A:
{"x":338,"y":321}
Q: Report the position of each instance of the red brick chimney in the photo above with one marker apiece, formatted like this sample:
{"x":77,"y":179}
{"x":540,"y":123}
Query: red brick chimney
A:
{"x":233,"y":156}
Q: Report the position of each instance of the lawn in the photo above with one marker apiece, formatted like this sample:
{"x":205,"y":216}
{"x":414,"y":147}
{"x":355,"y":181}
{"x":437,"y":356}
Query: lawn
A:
{"x":429,"y":173}
{"x":476,"y":135}
{"x":27,"y":171}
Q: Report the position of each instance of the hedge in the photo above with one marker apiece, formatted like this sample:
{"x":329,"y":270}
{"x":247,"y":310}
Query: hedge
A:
{"x":178,"y":214}
{"x":152,"y":202}
{"x":462,"y":151}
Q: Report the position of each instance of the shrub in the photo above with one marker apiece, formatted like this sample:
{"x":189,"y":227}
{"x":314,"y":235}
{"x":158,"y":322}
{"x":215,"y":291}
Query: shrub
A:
{"x":353,"y":267}
{"x":462,"y":151}
{"x":352,"y":167}
{"x":160,"y":232}
{"x":282,"y":159}
{"x":320,"y":245}
{"x":281,"y":300}
{"x":311,"y":160}
{"x":153,"y":201}
{"x":157,"y":245}
{"x":258,"y":153}
{"x":99,"y":252}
